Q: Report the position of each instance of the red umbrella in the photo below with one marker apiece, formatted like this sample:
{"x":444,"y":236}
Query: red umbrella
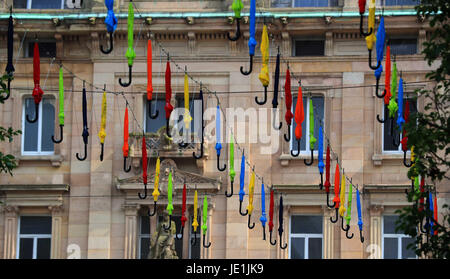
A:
{"x":183,"y":211}
{"x":125,"y":146}
{"x":271,"y":218}
{"x":144,"y":168}
{"x":168,"y":107}
{"x":288,"y":100}
{"x":37,"y":91}
{"x":150,"y":81}
{"x":299,"y":118}
{"x":336,"y":199}
{"x":404,"y":140}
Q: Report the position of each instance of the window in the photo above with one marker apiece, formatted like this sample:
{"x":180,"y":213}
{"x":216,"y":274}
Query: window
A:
{"x":309,"y":47}
{"x":34,"y":239}
{"x":36,"y":137}
{"x":318,"y":103}
{"x":194,"y":250}
{"x":47,"y":48}
{"x":144,"y":237}
{"x":306,"y":235}
{"x":153,"y":125}
{"x":39,"y":4}
{"x":304,"y":3}
{"x":395,"y":244}
{"x":403,"y":46}
{"x":195,"y":110}
{"x":388,"y":139}
{"x":401,"y":2}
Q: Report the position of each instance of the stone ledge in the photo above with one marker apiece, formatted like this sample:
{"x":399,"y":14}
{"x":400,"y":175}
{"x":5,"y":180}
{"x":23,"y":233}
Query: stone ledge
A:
{"x":38,"y":187}
{"x":54,"y":159}
{"x":378,"y":158}
{"x":380,"y":188}
{"x":285,"y":158}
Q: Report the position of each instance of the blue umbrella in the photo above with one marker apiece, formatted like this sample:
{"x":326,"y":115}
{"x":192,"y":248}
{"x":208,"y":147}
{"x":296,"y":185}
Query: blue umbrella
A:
{"x":360,"y":221}
{"x":263,"y":218}
{"x":430,"y":198}
{"x":111,"y":24}
{"x":241,"y":183}
{"x":400,"y":119}
{"x":218,"y":144}
{"x":252,"y":41}
{"x":321,"y":165}
{"x":381,"y":36}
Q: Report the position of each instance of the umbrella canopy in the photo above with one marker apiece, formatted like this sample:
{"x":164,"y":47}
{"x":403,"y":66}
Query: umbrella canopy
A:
{"x":241,"y":179}
{"x":312,"y":139}
{"x":371,"y":39}
{"x":336,"y":199}
{"x":156,"y":193}
{"x":187,"y":116}
{"x":130,"y":54}
{"x":169,"y":207}
{"x":102,"y":132}
{"x":111,"y":19}
{"x":404,"y":137}
{"x":392,"y":103}
{"x":195,"y":222}
{"x":387,"y":78}
{"x":10,"y":45}
{"x":263,"y":217}
{"x":231,"y":158}
{"x":327,"y":171}
{"x":400,"y":119}
{"x":381,"y":36}
{"x":349,"y":204}
{"x":37,"y":91}
{"x":183,"y":207}
{"x":271,"y":204}
{"x":430,"y":201}
{"x":362,"y":6}
{"x":299,"y":114}
{"x":264,"y":74}
{"x":251,"y":191}
{"x":85,"y":133}
{"x":144,"y":161}
{"x":237,"y":7}
{"x":276,"y":82}
{"x":205,"y":215}
{"x":61,"y":97}
{"x":125,"y":146}
{"x":422,"y":189}
{"x":288,"y":98}
{"x":149,"y":71}
{"x":321,"y":165}
{"x":280,"y":217}
{"x":435,"y":211}
{"x":218,"y":144}
{"x":252,"y":41}
{"x":358,"y":205}
{"x":168,"y":107}
{"x":342,"y":198}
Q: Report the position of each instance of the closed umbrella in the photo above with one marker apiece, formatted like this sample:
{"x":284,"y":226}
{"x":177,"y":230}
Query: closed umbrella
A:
{"x":232,"y":173}
{"x":37,"y":91}
{"x":125,"y":147}
{"x":150,"y":81}
{"x":404,"y":140}
{"x":183,"y":213}
{"x":236,"y":7}
{"x":144,"y":170}
{"x":169,"y":207}
{"x":435,"y":211}
{"x":320,"y":165}
{"x":312,"y":139}
{"x":155,"y":193}
{"x":263,"y":217}
{"x":299,"y":117}
{"x":360,"y":221}
{"x":85,"y":133}
{"x":264,"y":74}
{"x":336,"y":199}
{"x":168,"y":107}
{"x":195,"y":219}
{"x":252,"y":41}
{"x":271,"y":205}
{"x":241,"y":184}
{"x":130,"y":54}
{"x":430,"y":198}
{"x":362,"y":9}
{"x":393,"y":103}
{"x":342,"y":202}
{"x":102,"y":132}
{"x":251,"y":191}
{"x":387,"y":83}
{"x":349,"y":211}
{"x":276,"y":83}
{"x":10,"y":46}
{"x":61,"y":106}
{"x":371,"y":38}
{"x":187,"y":116}
{"x":205,"y":222}
{"x":381,"y":36}
{"x":280,"y":223}
{"x":111,"y":25}
{"x":327,"y":177}
{"x":218,"y":144}
{"x":288,"y":101}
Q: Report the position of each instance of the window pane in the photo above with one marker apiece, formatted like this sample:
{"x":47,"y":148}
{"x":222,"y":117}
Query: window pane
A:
{"x":145,"y":224}
{"x":407,"y":253}
{"x":311,"y":3}
{"x":297,"y":248}
{"x":153,"y":125}
{"x":310,"y":48}
{"x":390,"y":249}
{"x":30,"y":132}
{"x":145,"y":247}
{"x":403,"y":46}
{"x":401,"y":2}
{"x":314,"y":248}
{"x":26,"y":248}
{"x":48,"y":124}
{"x":46,"y":4}
{"x":43,"y":248}
{"x":194,"y":249}
{"x":46,"y":49}
{"x":281,"y":3}
{"x":20,"y":4}
{"x":318,"y":104}
{"x":178,"y":242}
{"x":35,"y":225}
{"x":389,"y":223}
{"x":195,"y":111}
{"x":306,"y":224}
{"x":294,"y":125}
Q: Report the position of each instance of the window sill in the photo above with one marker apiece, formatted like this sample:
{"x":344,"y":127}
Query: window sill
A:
{"x":378,"y":158}
{"x":54,"y":159}
{"x":285,"y":158}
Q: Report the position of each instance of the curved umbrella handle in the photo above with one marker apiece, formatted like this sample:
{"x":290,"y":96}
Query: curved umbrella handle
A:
{"x":370,"y":61}
{"x":321,"y":181}
{"x":337,"y":213}
{"x":270,"y":239}
{"x":274,"y":125}
{"x":347,"y":231}
{"x":204,"y":242}
{"x":282,"y":246}
{"x":264,"y":232}
{"x":101,"y":152}
{"x":126,"y":84}
{"x":9,"y":87}
{"x":288,"y":137}
{"x":111,"y":45}
{"x":152,"y":116}
{"x":194,"y":240}
{"x":376,"y":90}
{"x":201,"y":152}
{"x":36,"y":109}
{"x":380,"y":120}
{"x":361,"y":237}
{"x":180,"y":233}
{"x":250,"y":69}
{"x":143,"y":197}
{"x":85,"y":154}
{"x":312,"y":159}
{"x":248,"y":223}
{"x":154,"y":210}
{"x":423,"y":229}
{"x":408,"y":165}
{"x":125,"y":169}
{"x":170,"y":224}
{"x":394,"y":141}
{"x":218,"y":166}
{"x":298,"y":150}
{"x":342,"y":225}
{"x":60,"y":135}
{"x":238,"y":31}
{"x":240,"y":209}
{"x":328,"y":201}
{"x":231,"y":194}
{"x":183,"y":144}
{"x":265,"y":98}
{"x":167,"y":129}
{"x":361,"y":31}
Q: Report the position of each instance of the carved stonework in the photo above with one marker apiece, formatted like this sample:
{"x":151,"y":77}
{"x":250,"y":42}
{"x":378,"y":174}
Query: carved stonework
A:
{"x":162,"y":243}
{"x":376,"y":209}
{"x":191,"y":43}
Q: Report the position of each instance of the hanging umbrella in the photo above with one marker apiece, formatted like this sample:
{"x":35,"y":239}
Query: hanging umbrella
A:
{"x":205,"y":222}
{"x":236,"y":7}
{"x":61,"y":106}
{"x":275,"y":91}
{"x":381,"y":36}
{"x":342,"y":202}
{"x":144,"y":169}
{"x":360,"y":221}
{"x":387,"y":82}
{"x":37,"y":91}
{"x":349,"y":212}
{"x":392,"y":103}
{"x":130,"y":54}
{"x":195,"y":221}
{"x":183,"y":212}
{"x":252,"y":41}
{"x":371,"y":39}
{"x":169,"y":207}
{"x":271,"y":205}
{"x":251,"y":190}
{"x":312,"y":139}
{"x":202,"y":126}
{"x":288,"y":101}
{"x":232,"y":172}
{"x":430,"y":198}
{"x":150,"y":81}
{"x":336,"y":199}
{"x":168,"y":107}
{"x":218,"y":144}
{"x":280,"y":223}
{"x":404,"y":140}
{"x":264,"y":74}
{"x":435,"y":211}
{"x":263,"y":217}
{"x":362,"y":9}
{"x":320,"y":165}
{"x":111,"y":25}
{"x":241,"y":184}
{"x":187,"y":115}
{"x":85,"y":133}
{"x":400,"y":119}
{"x":102,"y":132}
{"x":125,"y":146}
{"x":155,"y":193}
{"x":10,"y":45}
{"x":327,"y":178}
{"x":299,"y":117}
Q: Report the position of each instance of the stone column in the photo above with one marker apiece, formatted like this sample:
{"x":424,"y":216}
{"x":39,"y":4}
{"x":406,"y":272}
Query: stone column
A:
{"x":421,"y":39}
{"x":56,"y":231}
{"x":374,"y":248}
{"x":328,"y":43}
{"x":131,"y":227}
{"x":328,"y":233}
{"x":10,"y":232}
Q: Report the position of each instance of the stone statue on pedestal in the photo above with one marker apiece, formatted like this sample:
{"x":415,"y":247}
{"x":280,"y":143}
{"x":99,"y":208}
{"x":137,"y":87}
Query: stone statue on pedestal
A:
{"x":162,"y":242}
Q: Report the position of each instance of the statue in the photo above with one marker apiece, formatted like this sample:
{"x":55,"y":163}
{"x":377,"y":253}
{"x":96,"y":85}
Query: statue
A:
{"x":162,"y":242}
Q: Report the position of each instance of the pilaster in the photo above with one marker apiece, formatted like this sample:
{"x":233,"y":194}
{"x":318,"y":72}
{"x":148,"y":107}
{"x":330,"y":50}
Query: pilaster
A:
{"x":375,"y":231}
{"x":131,"y":227}
{"x":57,"y":219}
{"x":11,"y":214}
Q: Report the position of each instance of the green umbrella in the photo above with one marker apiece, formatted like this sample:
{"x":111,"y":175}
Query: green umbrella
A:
{"x":232,"y":172}
{"x":205,"y":220}
{"x":61,"y":106}
{"x":130,"y":54}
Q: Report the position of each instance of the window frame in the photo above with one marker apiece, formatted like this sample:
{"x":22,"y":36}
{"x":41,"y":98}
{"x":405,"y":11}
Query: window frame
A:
{"x":39,"y":132}
{"x":291,"y":142}
{"x":30,"y":3}
{"x":141,"y":235}
{"x":398,"y":236}
{"x":306,"y":39}
{"x":26,"y":49}
{"x":306,"y":7}
{"x":35,"y":237}
{"x":404,"y":37}
{"x":306,"y":236}
{"x":383,"y":3}
{"x":191,"y":236}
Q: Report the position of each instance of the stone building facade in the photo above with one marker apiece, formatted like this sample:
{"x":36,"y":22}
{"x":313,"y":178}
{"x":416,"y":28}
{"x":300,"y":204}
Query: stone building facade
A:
{"x":60,"y":207}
